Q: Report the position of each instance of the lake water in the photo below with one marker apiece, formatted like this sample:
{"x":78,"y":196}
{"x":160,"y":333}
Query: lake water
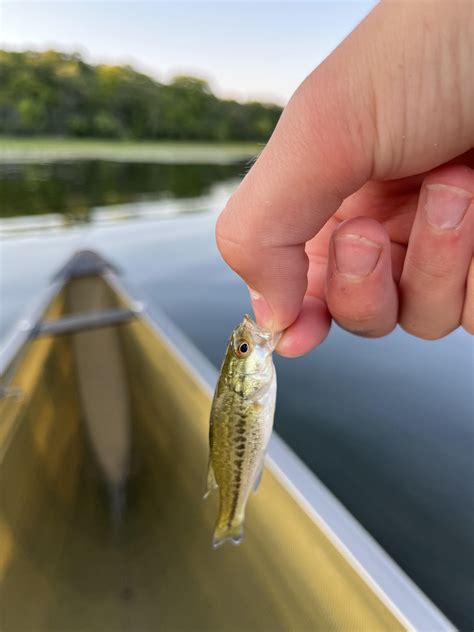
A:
{"x":386,"y":424}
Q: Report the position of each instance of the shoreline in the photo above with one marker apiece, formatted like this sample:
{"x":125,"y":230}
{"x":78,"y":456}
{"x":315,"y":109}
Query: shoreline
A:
{"x":41,"y":149}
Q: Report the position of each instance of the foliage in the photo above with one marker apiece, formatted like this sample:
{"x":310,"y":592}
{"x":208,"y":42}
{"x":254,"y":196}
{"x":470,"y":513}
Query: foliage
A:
{"x":53,"y":93}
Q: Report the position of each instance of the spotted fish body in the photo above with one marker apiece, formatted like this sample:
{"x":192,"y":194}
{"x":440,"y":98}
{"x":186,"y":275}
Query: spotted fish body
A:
{"x":240,"y":425}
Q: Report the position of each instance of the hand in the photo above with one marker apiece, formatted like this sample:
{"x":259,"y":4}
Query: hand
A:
{"x":360,"y":207}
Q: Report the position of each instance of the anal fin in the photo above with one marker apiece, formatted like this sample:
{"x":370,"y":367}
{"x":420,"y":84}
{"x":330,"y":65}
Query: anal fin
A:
{"x":211,"y":482}
{"x":258,"y":478}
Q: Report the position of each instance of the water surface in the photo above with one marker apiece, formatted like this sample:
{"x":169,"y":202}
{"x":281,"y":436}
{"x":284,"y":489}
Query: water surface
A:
{"x":386,"y":424}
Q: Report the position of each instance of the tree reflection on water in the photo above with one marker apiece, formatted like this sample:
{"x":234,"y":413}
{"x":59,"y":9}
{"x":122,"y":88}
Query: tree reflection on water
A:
{"x":74,"y":188}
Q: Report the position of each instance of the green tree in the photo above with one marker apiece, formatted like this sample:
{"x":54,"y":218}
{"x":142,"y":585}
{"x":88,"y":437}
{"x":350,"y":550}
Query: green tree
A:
{"x":60,"y":94}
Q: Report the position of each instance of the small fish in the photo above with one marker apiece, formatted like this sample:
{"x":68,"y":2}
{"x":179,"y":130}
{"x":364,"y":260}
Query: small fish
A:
{"x":241,"y":424}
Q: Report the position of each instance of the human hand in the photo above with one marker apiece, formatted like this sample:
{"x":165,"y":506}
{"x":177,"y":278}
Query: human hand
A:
{"x":360,"y":207}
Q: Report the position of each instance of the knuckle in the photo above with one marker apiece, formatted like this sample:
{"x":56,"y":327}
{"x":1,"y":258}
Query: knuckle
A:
{"x":234,"y":242}
{"x":468,"y":319}
{"x":358,"y":317}
{"x":468,"y":326}
{"x":371,"y":330}
{"x":224,"y":242}
{"x":426,"y":331}
{"x":430,"y":271}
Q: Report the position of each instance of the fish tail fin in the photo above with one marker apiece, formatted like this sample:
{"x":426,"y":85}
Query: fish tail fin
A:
{"x":228,"y":533}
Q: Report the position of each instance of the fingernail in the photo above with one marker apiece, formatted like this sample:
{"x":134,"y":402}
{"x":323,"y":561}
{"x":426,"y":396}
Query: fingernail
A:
{"x":356,"y":256}
{"x":261,"y":309}
{"x":446,"y":205}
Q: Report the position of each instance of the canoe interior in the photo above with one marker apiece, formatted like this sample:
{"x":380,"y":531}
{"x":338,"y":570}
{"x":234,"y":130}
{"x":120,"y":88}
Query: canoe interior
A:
{"x":102,"y":523}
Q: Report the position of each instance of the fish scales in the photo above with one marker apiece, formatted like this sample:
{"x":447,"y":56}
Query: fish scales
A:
{"x":240,"y":425}
{"x":241,"y":454}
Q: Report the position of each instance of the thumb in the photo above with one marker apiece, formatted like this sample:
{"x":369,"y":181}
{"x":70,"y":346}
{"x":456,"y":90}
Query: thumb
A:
{"x":369,"y":111}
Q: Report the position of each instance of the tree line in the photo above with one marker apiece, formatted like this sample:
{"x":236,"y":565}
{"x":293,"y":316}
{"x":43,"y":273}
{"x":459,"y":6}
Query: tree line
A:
{"x":54,"y":93}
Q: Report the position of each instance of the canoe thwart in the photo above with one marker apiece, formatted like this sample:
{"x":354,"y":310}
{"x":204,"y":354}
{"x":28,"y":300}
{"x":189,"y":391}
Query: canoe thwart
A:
{"x":85,"y":321}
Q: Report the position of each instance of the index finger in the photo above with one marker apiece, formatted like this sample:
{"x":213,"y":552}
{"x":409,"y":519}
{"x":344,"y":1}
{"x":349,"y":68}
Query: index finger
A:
{"x":297,"y":183}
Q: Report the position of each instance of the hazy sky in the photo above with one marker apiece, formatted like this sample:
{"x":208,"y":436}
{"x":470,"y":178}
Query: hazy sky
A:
{"x":255,"y":49}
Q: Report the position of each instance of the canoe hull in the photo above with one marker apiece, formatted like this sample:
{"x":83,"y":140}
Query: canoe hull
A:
{"x":103,"y":525}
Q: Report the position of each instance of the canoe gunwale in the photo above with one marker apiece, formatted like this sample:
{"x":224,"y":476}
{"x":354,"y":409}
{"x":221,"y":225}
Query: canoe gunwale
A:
{"x":21,"y":334}
{"x":394,"y":588}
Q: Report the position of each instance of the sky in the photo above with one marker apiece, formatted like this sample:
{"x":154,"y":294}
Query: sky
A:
{"x":246,"y":50}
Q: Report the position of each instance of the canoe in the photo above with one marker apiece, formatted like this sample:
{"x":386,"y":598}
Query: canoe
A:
{"x":103,"y":451}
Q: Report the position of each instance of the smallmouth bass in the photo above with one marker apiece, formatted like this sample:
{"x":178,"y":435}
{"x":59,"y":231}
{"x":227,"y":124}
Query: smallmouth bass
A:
{"x":240,"y":425}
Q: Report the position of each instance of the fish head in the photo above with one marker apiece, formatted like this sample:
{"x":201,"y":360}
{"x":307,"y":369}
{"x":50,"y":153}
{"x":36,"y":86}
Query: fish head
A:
{"x":250,"y":351}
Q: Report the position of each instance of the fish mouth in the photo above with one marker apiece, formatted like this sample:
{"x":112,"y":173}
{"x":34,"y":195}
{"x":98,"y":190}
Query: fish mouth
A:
{"x":273,"y":338}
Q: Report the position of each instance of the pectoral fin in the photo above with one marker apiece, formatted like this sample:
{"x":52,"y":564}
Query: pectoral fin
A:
{"x":211,"y":483}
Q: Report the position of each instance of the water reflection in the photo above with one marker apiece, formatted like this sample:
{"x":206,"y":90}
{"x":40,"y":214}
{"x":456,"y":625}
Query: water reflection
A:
{"x":74,"y":188}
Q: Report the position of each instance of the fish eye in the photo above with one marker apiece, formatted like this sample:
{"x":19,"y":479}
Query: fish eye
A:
{"x":242,"y":348}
